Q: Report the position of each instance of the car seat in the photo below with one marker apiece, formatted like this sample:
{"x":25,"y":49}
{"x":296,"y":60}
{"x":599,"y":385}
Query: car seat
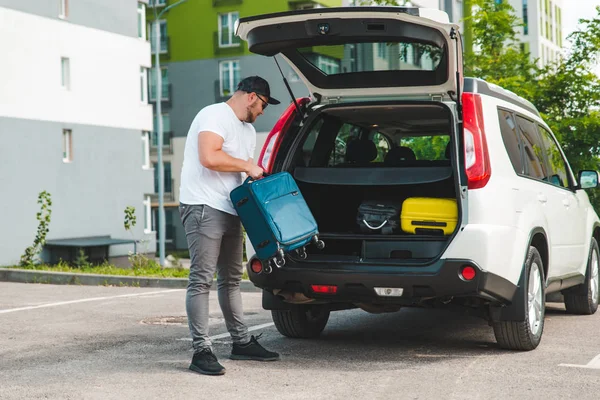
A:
{"x":360,"y":152}
{"x":399,"y":155}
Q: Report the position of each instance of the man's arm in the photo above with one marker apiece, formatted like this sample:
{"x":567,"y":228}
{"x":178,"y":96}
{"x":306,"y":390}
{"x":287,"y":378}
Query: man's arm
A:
{"x":212,"y":156}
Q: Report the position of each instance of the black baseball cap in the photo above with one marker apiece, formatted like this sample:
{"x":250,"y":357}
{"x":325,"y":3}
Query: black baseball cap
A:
{"x":257,"y":85}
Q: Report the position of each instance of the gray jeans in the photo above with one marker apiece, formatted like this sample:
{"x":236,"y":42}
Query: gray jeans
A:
{"x":215,"y":243}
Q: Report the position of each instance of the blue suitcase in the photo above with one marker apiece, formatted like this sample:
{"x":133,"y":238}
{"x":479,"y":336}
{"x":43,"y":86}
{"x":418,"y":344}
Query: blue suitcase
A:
{"x":276,"y":218}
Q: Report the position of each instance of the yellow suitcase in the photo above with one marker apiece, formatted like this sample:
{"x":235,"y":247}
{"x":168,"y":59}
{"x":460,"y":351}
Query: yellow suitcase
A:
{"x":427,"y":215}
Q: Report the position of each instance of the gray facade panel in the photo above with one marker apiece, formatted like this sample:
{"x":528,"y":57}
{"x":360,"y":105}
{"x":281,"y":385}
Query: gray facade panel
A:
{"x":194,"y":85}
{"x":89,"y":195}
{"x":48,"y":8}
{"x":117,"y":16}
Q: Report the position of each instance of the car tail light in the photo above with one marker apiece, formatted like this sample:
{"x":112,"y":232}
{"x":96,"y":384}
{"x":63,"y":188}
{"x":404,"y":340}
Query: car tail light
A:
{"x":468,"y":273}
{"x":271,"y":146}
{"x":324,"y":289}
{"x":477,"y":160}
{"x":256,"y":266}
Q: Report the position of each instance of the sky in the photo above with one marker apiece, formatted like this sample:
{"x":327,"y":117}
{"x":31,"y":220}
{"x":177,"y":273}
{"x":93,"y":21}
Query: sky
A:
{"x":574,"y":10}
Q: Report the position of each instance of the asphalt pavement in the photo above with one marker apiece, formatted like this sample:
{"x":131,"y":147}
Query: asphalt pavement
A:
{"x":86,"y":342}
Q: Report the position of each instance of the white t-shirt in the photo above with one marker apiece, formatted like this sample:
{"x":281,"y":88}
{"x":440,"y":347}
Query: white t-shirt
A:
{"x":200,"y":185}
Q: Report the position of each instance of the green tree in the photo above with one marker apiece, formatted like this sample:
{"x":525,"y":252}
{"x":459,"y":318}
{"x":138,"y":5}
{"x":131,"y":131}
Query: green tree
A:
{"x":568,"y":96}
{"x":29,"y":256}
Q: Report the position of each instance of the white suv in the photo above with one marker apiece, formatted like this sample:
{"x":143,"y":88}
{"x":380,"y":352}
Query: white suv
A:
{"x":390,"y":117}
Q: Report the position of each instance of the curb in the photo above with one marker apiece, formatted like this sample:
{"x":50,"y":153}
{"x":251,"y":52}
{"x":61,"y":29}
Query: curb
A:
{"x":66,"y":278}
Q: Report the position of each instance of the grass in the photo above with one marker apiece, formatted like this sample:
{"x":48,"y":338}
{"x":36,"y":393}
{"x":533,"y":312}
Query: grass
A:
{"x":151,"y":271}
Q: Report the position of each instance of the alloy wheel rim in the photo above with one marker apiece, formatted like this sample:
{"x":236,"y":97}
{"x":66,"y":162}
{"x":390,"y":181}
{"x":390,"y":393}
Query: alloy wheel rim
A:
{"x":534,"y":299}
{"x":594,"y":277}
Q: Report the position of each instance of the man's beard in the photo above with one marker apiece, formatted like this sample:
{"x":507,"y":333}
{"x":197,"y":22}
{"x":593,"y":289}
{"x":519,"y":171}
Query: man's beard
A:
{"x":249,"y":116}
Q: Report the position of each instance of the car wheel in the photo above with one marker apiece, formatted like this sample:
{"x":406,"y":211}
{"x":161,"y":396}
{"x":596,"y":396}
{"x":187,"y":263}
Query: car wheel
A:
{"x":302,"y":321}
{"x":526,"y":334}
{"x":583,"y":299}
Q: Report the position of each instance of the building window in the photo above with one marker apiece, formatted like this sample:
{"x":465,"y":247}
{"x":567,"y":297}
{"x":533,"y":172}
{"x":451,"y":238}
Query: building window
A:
{"x":229,"y":72}
{"x":164,"y":79}
{"x":166,"y":122}
{"x":330,"y":65}
{"x":65,"y":66}
{"x":67,"y":145}
{"x":144,"y":84}
{"x":227,"y":36}
{"x":145,"y":150}
{"x":525,"y":19}
{"x":164,"y":40}
{"x":382,"y":50}
{"x":64,"y":9}
{"x":157,"y":3}
{"x":147,"y":215}
{"x":141,"y":17}
{"x":167,"y":177}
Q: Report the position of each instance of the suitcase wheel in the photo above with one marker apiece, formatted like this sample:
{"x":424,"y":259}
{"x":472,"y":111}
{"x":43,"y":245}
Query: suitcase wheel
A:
{"x":302,"y":253}
{"x":319,"y":243}
{"x":267,"y":268}
{"x":279,"y":260}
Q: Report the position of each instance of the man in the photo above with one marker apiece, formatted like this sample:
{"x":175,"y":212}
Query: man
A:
{"x":219,"y":148}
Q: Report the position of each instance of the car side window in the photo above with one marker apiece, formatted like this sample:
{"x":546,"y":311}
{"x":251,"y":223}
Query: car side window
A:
{"x":382,"y":144}
{"x":533,"y":150}
{"x":557,"y":174}
{"x":510,"y":136}
{"x":346,"y":134}
{"x":309,"y":144}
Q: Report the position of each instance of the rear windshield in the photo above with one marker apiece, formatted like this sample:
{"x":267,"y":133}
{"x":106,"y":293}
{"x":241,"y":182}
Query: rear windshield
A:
{"x":367,"y":57}
{"x":337,"y":144}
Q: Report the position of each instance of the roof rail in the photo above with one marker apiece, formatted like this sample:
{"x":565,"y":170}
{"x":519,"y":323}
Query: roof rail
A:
{"x":477,"y":85}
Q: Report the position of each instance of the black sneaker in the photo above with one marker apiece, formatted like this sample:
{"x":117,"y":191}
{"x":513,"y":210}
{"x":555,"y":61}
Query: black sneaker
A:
{"x":252,"y":351}
{"x":205,"y":362}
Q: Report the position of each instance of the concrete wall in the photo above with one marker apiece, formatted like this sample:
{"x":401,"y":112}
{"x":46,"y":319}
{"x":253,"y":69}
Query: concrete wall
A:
{"x":105,"y":76}
{"x":103,"y":108}
{"x":89,"y":194}
{"x":117,"y":16}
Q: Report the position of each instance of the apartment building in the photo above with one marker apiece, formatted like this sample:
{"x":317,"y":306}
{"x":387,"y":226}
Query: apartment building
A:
{"x":75,"y":122}
{"x":202,"y":62}
{"x":542,"y":32}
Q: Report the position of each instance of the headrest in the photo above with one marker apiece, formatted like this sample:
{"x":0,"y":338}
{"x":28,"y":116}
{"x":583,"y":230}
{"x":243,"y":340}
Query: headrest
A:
{"x":398,"y":154}
{"x":361,"y":151}
{"x":448,"y":152}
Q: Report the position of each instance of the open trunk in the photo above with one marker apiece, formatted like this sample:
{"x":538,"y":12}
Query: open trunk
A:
{"x":347,"y":155}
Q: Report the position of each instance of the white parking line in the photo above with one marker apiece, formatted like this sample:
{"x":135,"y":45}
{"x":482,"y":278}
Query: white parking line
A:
{"x":226,"y":334}
{"x":594,"y":364}
{"x":63,"y":303}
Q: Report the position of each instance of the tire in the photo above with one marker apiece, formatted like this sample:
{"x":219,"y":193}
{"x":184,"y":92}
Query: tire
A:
{"x":583,"y":299}
{"x":303,"y":322}
{"x":526,"y":334}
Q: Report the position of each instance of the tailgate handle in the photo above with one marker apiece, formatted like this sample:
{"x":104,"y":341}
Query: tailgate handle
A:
{"x":375,"y":27}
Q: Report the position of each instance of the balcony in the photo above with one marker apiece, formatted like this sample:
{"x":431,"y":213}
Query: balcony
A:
{"x":221,"y":3}
{"x":169,"y":194}
{"x":236,"y":48}
{"x":165,"y":95}
{"x":164,"y":44}
{"x":167,"y":147}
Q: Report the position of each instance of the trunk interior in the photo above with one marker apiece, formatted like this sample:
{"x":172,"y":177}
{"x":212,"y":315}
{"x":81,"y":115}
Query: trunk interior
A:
{"x":346,"y":156}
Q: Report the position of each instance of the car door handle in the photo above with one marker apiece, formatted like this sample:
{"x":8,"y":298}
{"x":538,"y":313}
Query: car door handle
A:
{"x":542,"y":198}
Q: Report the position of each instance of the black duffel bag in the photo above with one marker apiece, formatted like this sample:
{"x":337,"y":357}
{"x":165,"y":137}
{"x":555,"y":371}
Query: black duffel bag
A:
{"x":378,"y":217}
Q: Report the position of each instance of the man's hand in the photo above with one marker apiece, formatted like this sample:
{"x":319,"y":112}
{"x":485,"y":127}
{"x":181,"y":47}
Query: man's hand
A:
{"x":254,"y":171}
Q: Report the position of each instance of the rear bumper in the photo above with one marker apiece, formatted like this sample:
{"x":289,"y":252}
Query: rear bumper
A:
{"x":357,"y":283}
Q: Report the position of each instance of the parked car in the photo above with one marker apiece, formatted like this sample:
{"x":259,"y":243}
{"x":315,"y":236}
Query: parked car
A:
{"x":391,"y":118}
